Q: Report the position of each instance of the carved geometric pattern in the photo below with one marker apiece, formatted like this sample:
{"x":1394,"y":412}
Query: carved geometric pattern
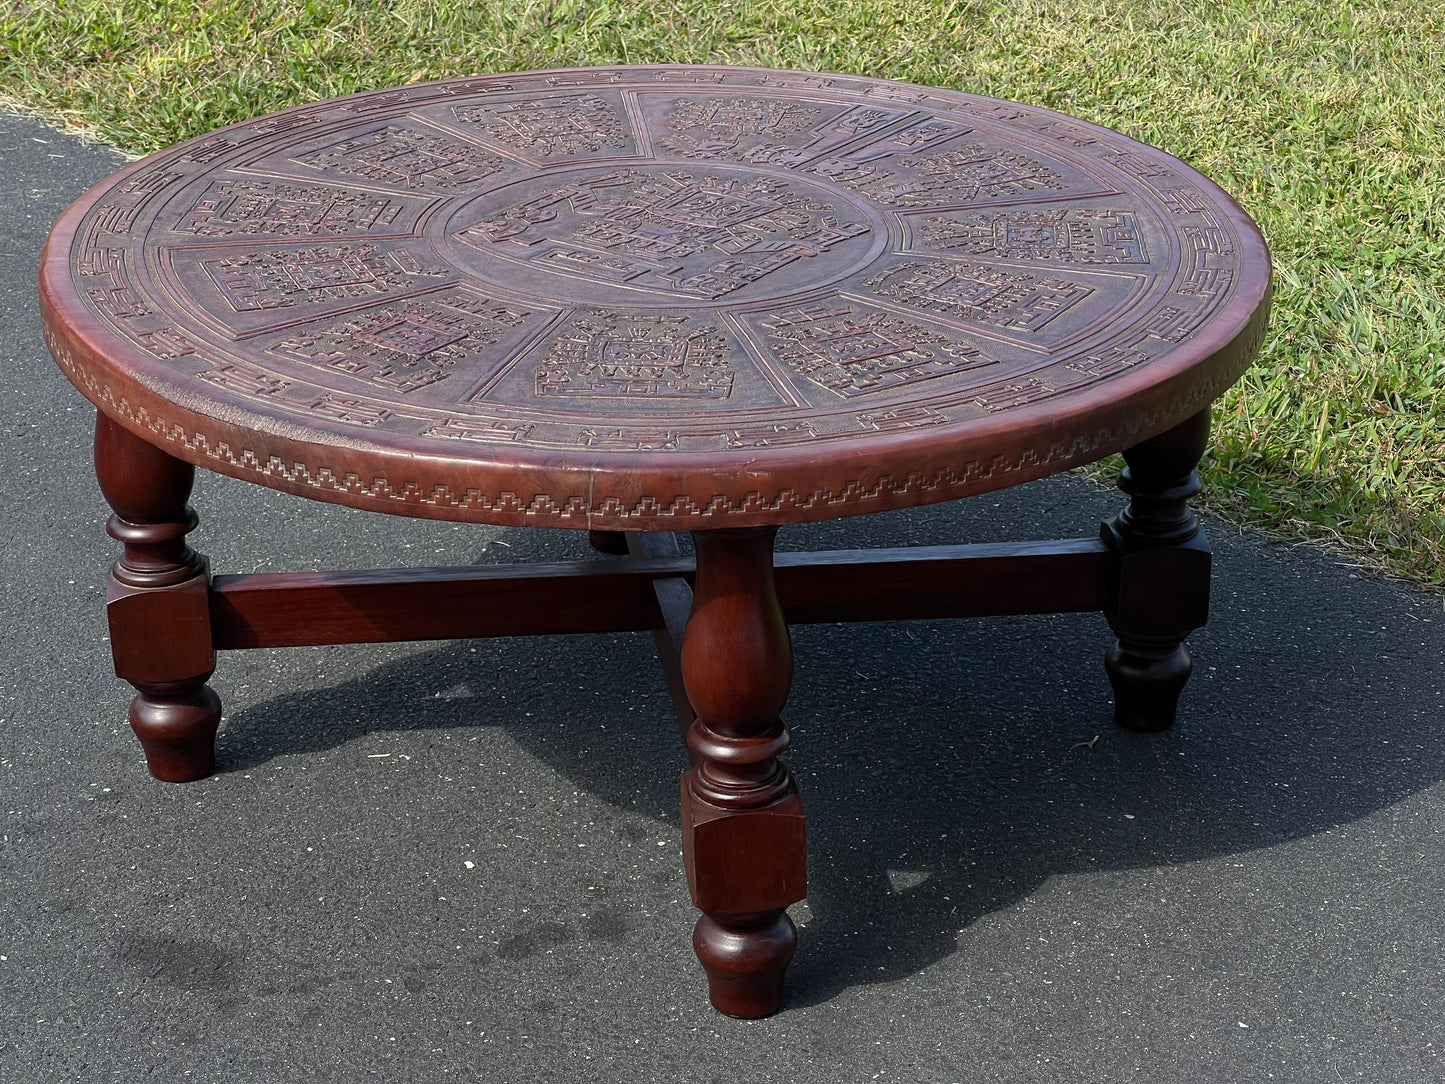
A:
{"x":1183,"y":201}
{"x":208,"y":150}
{"x":1066,"y":236}
{"x":506,"y":505}
{"x":979,"y":293}
{"x":629,"y":440}
{"x":576,"y":124}
{"x":1137,"y":166}
{"x":648,"y":438}
{"x":481,"y":430}
{"x":251,"y":281}
{"x":910,"y":416}
{"x":148,"y":184}
{"x":1109,"y":362}
{"x":855,"y":122}
{"x":963,"y":175}
{"x":167,"y":343}
{"x":697,"y":234}
{"x":406,"y":157}
{"x":853,"y":352}
{"x":637,"y":355}
{"x":1209,"y":247}
{"x":245,"y":380}
{"x":1068,"y":133}
{"x":771,"y":434}
{"x":856,"y":168}
{"x":405,"y":347}
{"x":274,"y":207}
{"x":1015,"y":394}
{"x":354,"y":411}
{"x":708,"y":128}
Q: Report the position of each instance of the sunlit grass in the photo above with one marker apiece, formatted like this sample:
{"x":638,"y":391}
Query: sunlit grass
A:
{"x":1326,"y":121}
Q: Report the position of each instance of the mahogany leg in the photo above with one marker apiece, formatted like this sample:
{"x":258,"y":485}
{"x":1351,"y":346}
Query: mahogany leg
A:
{"x":1160,"y":590}
{"x":158,"y":605}
{"x":743,"y":833}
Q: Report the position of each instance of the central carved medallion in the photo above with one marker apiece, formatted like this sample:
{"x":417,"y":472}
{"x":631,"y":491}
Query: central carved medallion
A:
{"x":655,"y":235}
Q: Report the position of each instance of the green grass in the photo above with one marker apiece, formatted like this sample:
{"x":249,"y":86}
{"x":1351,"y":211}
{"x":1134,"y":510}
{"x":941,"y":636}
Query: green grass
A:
{"x":1326,"y":121}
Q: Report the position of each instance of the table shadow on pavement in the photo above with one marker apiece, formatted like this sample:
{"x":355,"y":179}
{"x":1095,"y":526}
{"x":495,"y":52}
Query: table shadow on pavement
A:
{"x":951,"y":767}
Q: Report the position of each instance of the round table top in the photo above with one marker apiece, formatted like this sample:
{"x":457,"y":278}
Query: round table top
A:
{"x":653,"y":297}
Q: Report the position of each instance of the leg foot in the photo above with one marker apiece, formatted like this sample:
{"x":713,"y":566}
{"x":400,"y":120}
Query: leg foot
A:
{"x":1147,"y":681}
{"x":177,"y":730}
{"x":745,"y":957}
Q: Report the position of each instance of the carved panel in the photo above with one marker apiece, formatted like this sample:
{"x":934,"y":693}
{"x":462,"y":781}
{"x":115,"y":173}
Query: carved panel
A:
{"x":1083,"y":235}
{"x":1108,"y":362}
{"x":208,"y":150}
{"x":629,"y":440}
{"x":783,"y":132}
{"x":715,"y":127}
{"x":167,"y":343}
{"x":285,"y":278}
{"x":549,"y":127}
{"x":250,"y":207}
{"x":1072,"y":134}
{"x":96,"y":255}
{"x":148,"y":184}
{"x":916,"y":138}
{"x":403,"y":157}
{"x":671,"y":231}
{"x":854,"y":351}
{"x":606,"y":355}
{"x":771,"y":434}
{"x":1183,"y":201}
{"x":978,"y":293}
{"x":406,"y":346}
{"x":965,"y":174}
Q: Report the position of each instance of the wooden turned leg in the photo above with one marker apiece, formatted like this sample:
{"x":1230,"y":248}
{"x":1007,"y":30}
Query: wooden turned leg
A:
{"x":1160,"y":588}
{"x":743,"y":833}
{"x":158,"y":604}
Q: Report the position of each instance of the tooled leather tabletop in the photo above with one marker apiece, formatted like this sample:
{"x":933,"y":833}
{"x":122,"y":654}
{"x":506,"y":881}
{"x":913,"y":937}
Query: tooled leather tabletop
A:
{"x":653,"y":297}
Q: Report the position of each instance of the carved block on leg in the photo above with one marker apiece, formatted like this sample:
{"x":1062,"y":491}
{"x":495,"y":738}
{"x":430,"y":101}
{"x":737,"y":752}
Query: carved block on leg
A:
{"x":743,"y":868}
{"x":161,"y":643}
{"x":744,"y":860}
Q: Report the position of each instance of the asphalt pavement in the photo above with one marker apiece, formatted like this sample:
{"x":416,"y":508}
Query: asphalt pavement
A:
{"x":460,"y":861}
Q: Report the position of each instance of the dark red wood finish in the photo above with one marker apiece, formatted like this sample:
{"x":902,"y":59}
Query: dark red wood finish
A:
{"x":643,"y":299}
{"x":157,"y":602}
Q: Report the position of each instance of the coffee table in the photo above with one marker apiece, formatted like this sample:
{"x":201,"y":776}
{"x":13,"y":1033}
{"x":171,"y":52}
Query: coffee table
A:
{"x":642,"y":300}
